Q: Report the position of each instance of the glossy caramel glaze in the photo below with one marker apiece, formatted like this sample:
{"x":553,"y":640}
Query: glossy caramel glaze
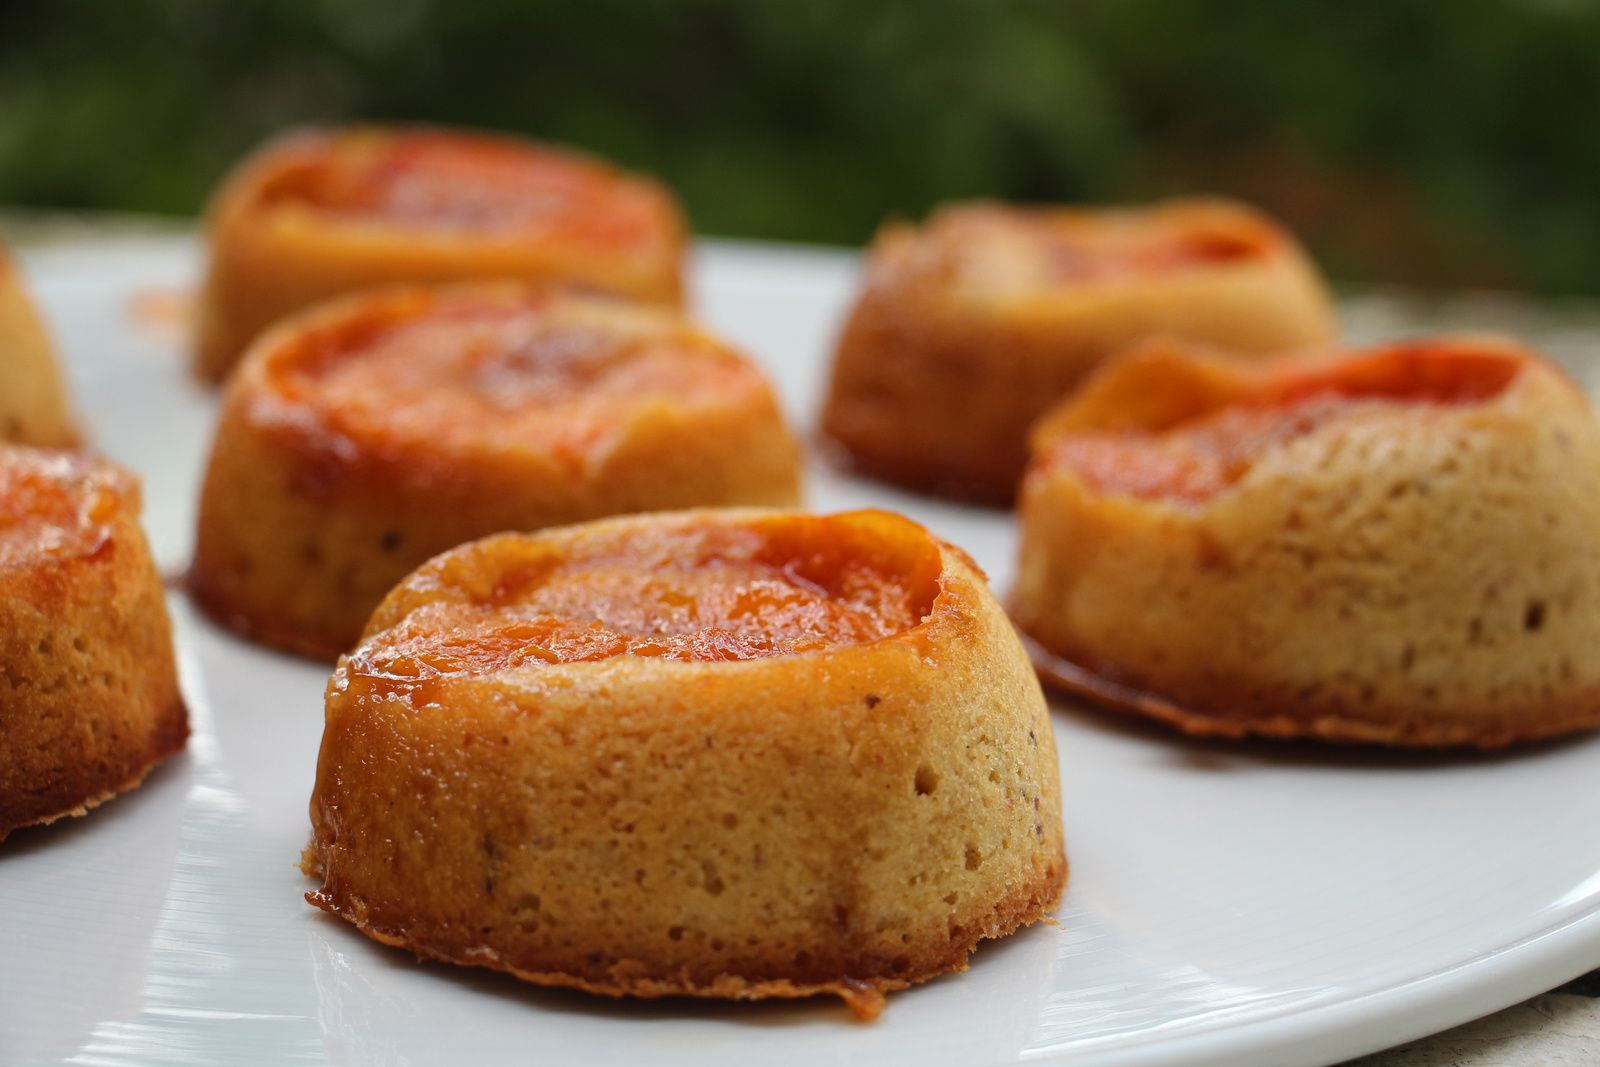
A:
{"x":717,"y":593}
{"x":320,"y":213}
{"x":57,"y":504}
{"x":437,"y":179}
{"x":497,"y":369}
{"x":1000,"y":250}
{"x":1195,"y":458}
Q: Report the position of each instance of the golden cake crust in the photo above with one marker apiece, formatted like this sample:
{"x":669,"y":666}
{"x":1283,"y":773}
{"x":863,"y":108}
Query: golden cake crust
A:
{"x":848,"y":811}
{"x":1393,"y":547}
{"x":33,"y":397}
{"x":89,"y":699}
{"x":318,"y":213}
{"x":972,"y":325}
{"x":363,"y":437}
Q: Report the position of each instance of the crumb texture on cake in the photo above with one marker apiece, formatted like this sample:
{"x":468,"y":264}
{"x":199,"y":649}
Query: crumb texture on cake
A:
{"x":972,"y":325}
{"x":769,"y":754}
{"x":89,"y":699}
{"x":364,"y":437}
{"x":323,"y":212}
{"x":1388,"y":546}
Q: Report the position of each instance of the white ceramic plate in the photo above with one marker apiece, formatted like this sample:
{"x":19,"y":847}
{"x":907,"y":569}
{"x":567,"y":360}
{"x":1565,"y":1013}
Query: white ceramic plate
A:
{"x":1241,"y":905}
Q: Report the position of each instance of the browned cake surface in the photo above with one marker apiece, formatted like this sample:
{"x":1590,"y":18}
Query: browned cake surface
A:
{"x":33,"y":396}
{"x":89,"y":696}
{"x":363,"y":438}
{"x":320,"y":213}
{"x":972,"y":325}
{"x":1394,"y":546}
{"x":716,"y":753}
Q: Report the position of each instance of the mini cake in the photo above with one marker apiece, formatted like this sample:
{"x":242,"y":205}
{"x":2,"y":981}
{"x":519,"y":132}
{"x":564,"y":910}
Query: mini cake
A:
{"x":725,"y":753}
{"x":1396,"y":546}
{"x":89,"y":698}
{"x":320,"y":213}
{"x":973,"y":325}
{"x":33,"y":399}
{"x":362,"y":438}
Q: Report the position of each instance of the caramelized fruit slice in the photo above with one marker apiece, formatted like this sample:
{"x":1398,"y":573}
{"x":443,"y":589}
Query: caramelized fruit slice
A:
{"x":53,"y":504}
{"x":1194,"y":459}
{"x":704,"y":592}
{"x":459,"y":181}
{"x":502,"y":368}
{"x":1002,"y":249}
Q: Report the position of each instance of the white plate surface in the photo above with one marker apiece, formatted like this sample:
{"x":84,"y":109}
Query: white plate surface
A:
{"x":1241,"y":905}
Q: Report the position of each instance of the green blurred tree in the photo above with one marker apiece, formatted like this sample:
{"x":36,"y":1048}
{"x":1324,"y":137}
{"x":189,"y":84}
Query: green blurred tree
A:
{"x":1436,"y":143}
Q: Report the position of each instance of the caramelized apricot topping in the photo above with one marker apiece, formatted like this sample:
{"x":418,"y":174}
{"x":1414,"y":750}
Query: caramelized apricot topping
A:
{"x":704,"y":593}
{"x":461,"y":181}
{"x":501,"y":368}
{"x":53,"y":504}
{"x":1196,"y":459}
{"x":1000,"y":249}
{"x":1085,"y":256}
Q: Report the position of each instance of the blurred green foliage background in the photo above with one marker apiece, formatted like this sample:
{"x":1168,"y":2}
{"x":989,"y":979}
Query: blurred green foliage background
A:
{"x":1420,"y":141}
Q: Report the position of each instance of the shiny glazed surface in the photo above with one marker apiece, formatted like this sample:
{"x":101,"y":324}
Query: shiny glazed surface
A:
{"x":1192,"y":460}
{"x":54,"y":504}
{"x":704,"y":594}
{"x":497,"y":369}
{"x":1003,"y":248}
{"x":469,"y":182}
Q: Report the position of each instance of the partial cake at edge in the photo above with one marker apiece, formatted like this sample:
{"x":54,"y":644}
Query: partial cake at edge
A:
{"x":34,"y":409}
{"x":89,"y":698}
